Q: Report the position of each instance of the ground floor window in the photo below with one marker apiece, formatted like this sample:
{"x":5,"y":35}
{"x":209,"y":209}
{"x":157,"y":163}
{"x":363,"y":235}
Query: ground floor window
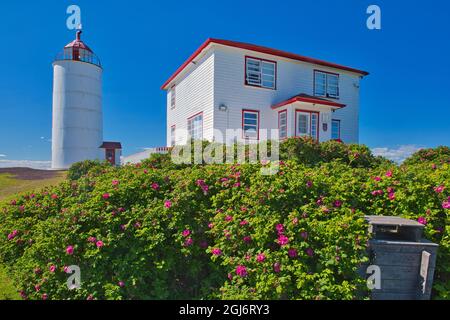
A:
{"x":250,"y":124}
{"x":282,"y":124}
{"x":195,"y":127}
{"x":335,"y":129}
{"x":172,"y":136}
{"x":307,"y":124}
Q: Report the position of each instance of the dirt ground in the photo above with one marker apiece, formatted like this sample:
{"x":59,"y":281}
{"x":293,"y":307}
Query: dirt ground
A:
{"x":29,"y":174}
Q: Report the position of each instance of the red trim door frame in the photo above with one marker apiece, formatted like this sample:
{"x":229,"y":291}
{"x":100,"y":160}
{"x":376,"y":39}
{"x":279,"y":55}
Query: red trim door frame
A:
{"x":310,"y":121}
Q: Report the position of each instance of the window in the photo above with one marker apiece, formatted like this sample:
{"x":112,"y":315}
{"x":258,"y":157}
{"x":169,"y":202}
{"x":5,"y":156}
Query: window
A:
{"x":250,"y":124}
{"x":172,"y":136}
{"x":260,"y":73}
{"x":307,"y":124}
{"x":326,"y":84}
{"x":335,"y":129}
{"x":172,"y":97}
{"x":195,"y":127}
{"x":282,"y":124}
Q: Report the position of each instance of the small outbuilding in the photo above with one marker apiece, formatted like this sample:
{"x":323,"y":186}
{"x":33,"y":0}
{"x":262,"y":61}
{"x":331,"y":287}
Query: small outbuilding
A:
{"x":112,"y":152}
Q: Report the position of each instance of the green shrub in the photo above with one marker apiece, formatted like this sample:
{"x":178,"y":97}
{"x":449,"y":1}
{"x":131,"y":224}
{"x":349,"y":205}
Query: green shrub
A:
{"x":155,"y":231}
{"x":79,"y":169}
{"x":433,"y":156}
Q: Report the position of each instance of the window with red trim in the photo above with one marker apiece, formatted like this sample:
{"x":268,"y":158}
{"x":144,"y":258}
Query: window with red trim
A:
{"x":260,"y":73}
{"x":195,"y":127}
{"x":335,"y":129}
{"x":282,"y":124}
{"x":326,"y":84}
{"x":250,"y":124}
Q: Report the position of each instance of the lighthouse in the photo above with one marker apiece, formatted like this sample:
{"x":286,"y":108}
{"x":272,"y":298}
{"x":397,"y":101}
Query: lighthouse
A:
{"x":77,"y":126}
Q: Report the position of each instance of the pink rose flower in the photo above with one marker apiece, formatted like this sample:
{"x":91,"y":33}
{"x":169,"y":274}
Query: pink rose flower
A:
{"x":188,"y":242}
{"x":389,"y":174}
{"x":228,"y":218}
{"x":37,"y":288}
{"x":247,"y":239}
{"x":54,"y":196}
{"x":52,"y":268}
{"x":186,"y":233}
{"x":121,"y":284}
{"x":115,"y":182}
{"x":99,"y":244}
{"x":216,"y":252}
{"x":243,"y":222}
{"x":241,"y":271}
{"x":309,"y":184}
{"x":391,"y":196}
{"x":69,"y":250}
{"x":377,"y":178}
{"x":283,"y":240}
{"x":309,"y":252}
{"x":44,"y":296}
{"x":260,"y":257}
{"x":277,"y":267}
{"x":292,"y":253}
{"x":422,"y":220}
{"x":337,"y":203}
{"x":210,"y":225}
{"x":92,"y":239}
{"x":439,"y":189}
{"x":106,"y":196}
{"x":155,"y":186}
{"x":280,"y":228}
{"x":167,"y":204}
{"x":446,"y":204}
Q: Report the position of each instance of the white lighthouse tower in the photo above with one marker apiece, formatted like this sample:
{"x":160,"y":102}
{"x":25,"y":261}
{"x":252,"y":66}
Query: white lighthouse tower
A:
{"x":77,"y":132}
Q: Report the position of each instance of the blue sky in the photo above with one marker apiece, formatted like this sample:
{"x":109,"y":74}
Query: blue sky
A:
{"x":405,"y":102}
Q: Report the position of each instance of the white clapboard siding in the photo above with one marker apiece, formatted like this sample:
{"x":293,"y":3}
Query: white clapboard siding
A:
{"x":194,"y":94}
{"x":217,"y":78}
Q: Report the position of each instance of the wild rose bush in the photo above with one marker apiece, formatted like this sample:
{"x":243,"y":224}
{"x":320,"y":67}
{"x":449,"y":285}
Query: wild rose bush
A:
{"x":219,"y":231}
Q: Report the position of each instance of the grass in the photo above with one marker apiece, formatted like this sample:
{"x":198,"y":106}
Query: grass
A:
{"x":10,"y":187}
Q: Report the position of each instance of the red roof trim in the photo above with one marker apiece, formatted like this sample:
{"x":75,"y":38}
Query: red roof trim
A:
{"x":260,"y":49}
{"x":309,"y":100}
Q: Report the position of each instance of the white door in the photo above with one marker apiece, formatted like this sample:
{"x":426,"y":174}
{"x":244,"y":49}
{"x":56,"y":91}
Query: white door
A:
{"x":303,"y":124}
{"x":307,"y":124}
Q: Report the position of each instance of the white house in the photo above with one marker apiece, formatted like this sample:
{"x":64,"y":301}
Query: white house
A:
{"x":233,"y":85}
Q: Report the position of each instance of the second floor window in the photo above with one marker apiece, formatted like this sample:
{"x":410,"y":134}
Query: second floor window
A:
{"x":326,"y":84}
{"x":195,"y":127}
{"x":260,"y":73}
{"x":172,"y":97}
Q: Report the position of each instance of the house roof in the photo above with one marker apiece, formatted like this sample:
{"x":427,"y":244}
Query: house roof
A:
{"x":260,"y":49}
{"x":309,"y":99}
{"x":77,"y":43}
{"x":111,"y":145}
